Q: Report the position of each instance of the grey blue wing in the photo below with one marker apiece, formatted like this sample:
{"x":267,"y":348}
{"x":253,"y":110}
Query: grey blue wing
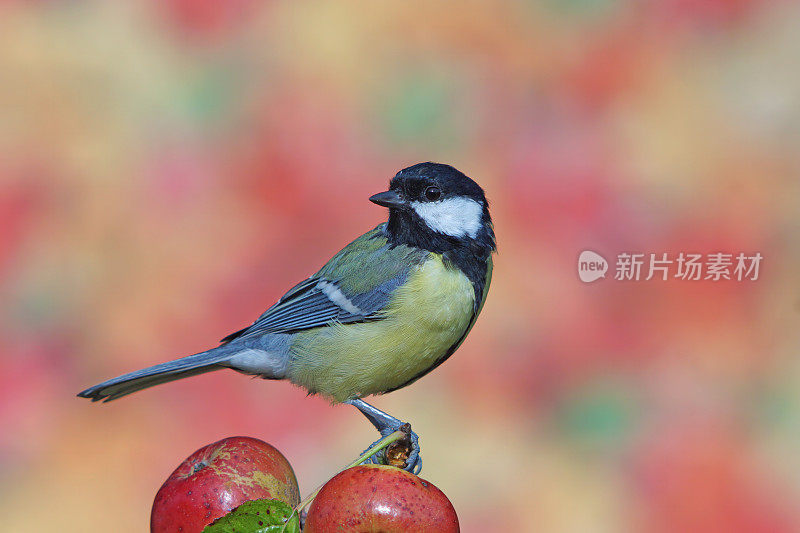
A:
{"x":354,"y":286}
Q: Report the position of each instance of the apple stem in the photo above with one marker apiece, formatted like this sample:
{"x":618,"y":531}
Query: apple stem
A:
{"x":400,"y":434}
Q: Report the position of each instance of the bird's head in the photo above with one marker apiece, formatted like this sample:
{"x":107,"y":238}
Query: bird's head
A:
{"x":434,"y":206}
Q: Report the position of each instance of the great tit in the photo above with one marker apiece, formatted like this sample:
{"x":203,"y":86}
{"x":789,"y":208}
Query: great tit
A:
{"x":387,"y":309}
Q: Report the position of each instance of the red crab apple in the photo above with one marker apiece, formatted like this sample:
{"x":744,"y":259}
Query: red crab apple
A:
{"x":372,"y":498}
{"x":219,"y":477}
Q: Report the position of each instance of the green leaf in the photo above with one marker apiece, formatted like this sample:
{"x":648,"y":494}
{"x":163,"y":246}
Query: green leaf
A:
{"x":257,"y":516}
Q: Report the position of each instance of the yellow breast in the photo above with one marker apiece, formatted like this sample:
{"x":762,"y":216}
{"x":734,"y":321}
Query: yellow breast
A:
{"x":426,"y":316}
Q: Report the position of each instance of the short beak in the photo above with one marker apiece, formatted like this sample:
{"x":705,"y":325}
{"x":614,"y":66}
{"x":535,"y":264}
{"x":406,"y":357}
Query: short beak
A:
{"x":387,"y":199}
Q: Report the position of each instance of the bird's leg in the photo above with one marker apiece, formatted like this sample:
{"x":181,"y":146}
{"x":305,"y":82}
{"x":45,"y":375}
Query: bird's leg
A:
{"x":387,"y":424}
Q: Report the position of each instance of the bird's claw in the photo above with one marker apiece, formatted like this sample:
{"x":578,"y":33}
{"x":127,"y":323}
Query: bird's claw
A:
{"x":404,"y":453}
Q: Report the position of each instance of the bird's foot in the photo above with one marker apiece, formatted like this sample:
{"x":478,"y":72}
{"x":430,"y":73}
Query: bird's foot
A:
{"x":404,"y":453}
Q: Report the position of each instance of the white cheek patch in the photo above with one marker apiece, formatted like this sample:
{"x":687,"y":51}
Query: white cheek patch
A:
{"x":454,"y":216}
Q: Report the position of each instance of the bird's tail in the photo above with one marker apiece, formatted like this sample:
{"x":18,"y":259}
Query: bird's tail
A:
{"x":155,"y":375}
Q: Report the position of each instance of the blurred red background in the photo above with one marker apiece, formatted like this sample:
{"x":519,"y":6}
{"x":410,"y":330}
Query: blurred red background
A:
{"x":168,"y":169}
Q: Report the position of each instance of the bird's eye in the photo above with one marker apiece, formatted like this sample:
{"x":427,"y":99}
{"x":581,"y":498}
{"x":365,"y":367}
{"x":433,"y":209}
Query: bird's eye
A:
{"x":433,"y":193}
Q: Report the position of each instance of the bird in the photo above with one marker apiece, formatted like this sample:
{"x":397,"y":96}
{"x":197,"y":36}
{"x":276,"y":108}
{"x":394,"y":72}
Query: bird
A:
{"x":386,"y":310}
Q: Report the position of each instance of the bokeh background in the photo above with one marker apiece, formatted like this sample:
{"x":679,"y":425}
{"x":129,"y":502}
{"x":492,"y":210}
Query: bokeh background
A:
{"x":169,"y":168}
